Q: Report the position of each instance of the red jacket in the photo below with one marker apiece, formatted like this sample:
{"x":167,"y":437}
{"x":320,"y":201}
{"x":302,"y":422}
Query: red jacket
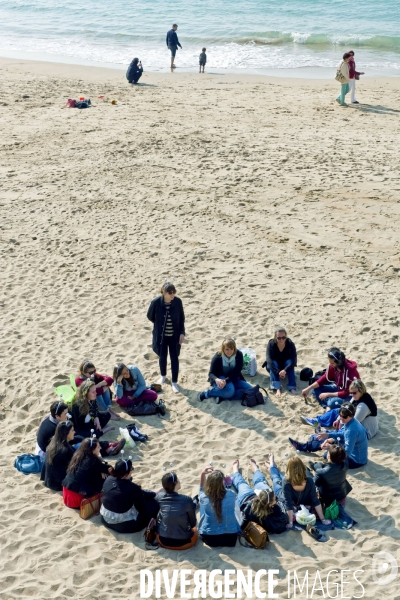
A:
{"x":98,"y":378}
{"x":352,"y":69}
{"x":342,"y":379}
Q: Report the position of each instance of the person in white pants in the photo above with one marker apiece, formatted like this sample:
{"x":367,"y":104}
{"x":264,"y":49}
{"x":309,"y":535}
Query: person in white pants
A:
{"x":352,"y":78}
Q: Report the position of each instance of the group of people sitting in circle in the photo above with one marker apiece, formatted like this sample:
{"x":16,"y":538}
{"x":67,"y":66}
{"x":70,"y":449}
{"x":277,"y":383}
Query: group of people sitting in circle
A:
{"x":70,"y":442}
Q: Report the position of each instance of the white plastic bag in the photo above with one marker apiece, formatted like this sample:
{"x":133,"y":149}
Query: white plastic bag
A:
{"x":304,"y":517}
{"x":125,"y":434}
{"x":249,"y":361}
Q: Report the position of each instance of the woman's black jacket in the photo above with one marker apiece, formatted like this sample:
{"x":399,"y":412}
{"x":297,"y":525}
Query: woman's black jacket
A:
{"x":87,"y":479}
{"x":217,"y":371}
{"x":331,"y":481}
{"x":53,"y":474}
{"x":157,"y":314}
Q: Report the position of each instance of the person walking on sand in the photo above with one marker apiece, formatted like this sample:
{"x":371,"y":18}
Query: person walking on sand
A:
{"x":342,"y":75}
{"x":353,"y":75}
{"x":202,"y":59}
{"x":173,"y":43}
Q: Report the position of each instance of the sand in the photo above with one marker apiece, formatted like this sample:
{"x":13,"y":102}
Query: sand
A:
{"x":268,"y":203}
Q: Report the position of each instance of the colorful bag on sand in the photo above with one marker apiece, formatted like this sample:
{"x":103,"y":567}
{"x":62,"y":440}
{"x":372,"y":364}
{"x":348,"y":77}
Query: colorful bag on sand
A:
{"x":255,"y":536}
{"x":90,"y":506}
{"x":332,"y":511}
{"x":70,"y":103}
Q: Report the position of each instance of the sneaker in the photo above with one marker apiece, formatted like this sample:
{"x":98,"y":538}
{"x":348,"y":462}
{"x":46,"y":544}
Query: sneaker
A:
{"x":355,"y":102}
{"x":161,"y":408}
{"x":175,"y":387}
{"x":202,"y":396}
{"x":307,"y":421}
{"x":114,"y":450}
{"x":293,"y":443}
{"x":162,"y":379}
{"x":217,"y":400}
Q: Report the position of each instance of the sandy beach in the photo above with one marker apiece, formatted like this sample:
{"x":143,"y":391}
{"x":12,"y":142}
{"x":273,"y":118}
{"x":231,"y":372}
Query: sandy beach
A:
{"x":267,"y":203}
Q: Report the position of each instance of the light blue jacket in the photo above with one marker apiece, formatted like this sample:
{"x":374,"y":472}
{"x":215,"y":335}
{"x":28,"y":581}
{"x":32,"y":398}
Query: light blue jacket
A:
{"x":354,"y":439}
{"x":209,"y":523}
{"x":139,"y":380}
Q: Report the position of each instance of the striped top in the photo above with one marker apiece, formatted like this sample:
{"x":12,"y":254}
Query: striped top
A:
{"x":169,"y":329}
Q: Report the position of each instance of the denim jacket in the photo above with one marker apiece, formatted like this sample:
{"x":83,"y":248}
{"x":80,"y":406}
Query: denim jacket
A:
{"x":209,"y":524}
{"x":354,"y":438}
{"x":139,"y":380}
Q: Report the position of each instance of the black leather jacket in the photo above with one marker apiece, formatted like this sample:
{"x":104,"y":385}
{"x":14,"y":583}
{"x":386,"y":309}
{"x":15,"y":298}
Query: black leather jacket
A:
{"x":331,"y":481}
{"x":177,"y":515}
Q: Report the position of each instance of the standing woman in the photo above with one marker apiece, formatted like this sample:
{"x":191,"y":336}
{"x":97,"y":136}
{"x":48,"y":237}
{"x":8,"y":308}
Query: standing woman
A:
{"x":166,"y":313}
{"x":87,"y":370}
{"x":281,"y":361}
{"x":225,"y":374}
{"x":333,"y":388}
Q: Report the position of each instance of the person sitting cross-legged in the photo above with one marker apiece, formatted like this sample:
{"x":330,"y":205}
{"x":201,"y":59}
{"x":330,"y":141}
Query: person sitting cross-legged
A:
{"x":366,"y":411}
{"x":352,"y":436}
{"x":225,"y":374}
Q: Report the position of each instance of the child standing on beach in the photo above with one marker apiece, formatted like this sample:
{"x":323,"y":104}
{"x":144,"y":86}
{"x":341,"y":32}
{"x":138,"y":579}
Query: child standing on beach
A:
{"x":202,"y":59}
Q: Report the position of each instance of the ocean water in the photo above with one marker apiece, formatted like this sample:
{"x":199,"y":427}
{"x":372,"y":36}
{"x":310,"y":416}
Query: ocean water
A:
{"x":253,"y":35}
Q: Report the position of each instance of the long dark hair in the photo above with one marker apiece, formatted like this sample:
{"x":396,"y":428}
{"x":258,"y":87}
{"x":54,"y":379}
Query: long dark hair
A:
{"x":338,"y":356}
{"x":87,"y":448}
{"x":58,"y":441}
{"x":215,"y":489}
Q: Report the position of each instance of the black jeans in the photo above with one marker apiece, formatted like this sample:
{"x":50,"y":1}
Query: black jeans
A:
{"x":169,"y":343}
{"x":136,"y":79}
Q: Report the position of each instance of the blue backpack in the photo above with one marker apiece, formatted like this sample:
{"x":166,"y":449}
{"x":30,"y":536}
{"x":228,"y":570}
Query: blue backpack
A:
{"x":28,"y":463}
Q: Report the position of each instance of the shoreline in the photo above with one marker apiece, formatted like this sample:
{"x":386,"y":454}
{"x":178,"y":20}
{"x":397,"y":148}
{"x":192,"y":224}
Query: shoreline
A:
{"x":302,"y":73}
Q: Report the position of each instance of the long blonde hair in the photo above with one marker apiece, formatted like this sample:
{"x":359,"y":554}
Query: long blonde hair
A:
{"x":263,"y":504}
{"x":81,"y":398}
{"x":296,"y":473}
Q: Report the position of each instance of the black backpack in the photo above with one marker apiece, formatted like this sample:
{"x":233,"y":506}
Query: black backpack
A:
{"x":253,"y":397}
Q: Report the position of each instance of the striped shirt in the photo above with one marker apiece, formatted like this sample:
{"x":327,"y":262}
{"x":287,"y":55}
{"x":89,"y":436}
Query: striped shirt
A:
{"x":169,"y":329}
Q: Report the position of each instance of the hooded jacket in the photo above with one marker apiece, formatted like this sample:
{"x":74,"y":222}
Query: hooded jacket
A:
{"x":342,"y":379}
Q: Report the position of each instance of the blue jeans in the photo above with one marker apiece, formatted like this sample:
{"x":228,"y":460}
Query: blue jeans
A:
{"x":104,"y":401}
{"x":332,"y":402}
{"x":243,"y":488}
{"x":231,"y":390}
{"x":276,"y":477}
{"x":275,"y":383}
{"x":327,"y":419}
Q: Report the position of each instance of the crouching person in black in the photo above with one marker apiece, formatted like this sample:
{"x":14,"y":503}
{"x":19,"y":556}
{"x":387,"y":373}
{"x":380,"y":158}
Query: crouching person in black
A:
{"x":126,"y":508}
{"x":135,"y":71}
